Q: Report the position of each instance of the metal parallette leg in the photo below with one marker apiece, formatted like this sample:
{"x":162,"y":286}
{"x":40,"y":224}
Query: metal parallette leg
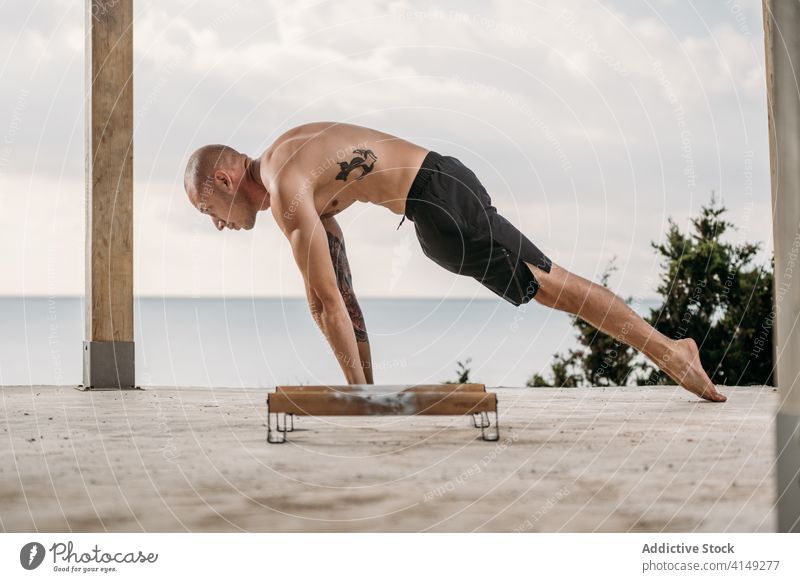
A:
{"x":288,"y":422}
{"x":490,"y":436}
{"x":278,"y":435}
{"x":480,"y":419}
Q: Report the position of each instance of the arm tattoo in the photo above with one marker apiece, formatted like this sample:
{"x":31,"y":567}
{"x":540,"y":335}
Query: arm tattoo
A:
{"x":363,"y":159}
{"x":345,"y":282}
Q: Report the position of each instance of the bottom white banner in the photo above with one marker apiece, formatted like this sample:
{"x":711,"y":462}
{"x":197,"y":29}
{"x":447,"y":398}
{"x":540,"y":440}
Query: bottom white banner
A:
{"x":406,"y":557}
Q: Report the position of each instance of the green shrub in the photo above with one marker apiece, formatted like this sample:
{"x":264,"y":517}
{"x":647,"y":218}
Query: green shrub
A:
{"x":710,"y":291}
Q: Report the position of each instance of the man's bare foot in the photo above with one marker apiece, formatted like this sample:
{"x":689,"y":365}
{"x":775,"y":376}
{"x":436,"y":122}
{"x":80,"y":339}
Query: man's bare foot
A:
{"x":682,"y":364}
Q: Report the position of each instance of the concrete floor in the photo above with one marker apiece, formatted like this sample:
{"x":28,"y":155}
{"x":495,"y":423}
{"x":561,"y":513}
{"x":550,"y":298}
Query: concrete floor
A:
{"x":570,"y":459}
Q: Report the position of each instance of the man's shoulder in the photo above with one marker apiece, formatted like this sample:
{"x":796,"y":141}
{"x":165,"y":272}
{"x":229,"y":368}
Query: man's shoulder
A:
{"x":290,"y":180}
{"x":292,"y":199}
{"x":286,"y":161}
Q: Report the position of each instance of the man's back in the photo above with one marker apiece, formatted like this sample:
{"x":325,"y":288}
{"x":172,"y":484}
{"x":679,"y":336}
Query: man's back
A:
{"x":338,"y":164}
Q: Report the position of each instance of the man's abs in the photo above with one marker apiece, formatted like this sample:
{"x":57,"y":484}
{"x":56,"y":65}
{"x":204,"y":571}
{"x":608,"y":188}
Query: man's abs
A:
{"x":339,"y":164}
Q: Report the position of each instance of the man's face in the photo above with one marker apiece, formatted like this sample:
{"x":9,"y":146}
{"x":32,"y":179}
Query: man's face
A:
{"x":225,"y":210}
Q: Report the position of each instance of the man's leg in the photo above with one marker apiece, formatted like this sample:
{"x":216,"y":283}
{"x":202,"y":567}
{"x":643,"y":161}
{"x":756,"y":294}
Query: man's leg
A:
{"x":597,"y":305}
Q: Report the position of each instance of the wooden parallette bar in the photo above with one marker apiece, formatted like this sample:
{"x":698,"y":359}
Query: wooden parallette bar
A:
{"x":371,"y":400}
{"x":307,"y":403}
{"x":383,"y":389}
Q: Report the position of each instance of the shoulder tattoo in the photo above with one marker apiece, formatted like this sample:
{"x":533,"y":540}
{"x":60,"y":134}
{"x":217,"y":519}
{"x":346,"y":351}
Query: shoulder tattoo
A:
{"x":364,"y":159}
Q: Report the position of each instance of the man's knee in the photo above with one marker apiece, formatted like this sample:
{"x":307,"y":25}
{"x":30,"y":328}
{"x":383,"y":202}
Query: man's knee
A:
{"x":552,"y":290}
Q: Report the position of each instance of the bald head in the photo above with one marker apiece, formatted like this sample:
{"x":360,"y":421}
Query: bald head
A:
{"x":203,"y":164}
{"x":217,"y":184}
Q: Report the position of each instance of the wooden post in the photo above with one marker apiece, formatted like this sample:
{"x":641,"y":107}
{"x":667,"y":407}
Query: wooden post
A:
{"x":108,"y":348}
{"x":782,"y":51}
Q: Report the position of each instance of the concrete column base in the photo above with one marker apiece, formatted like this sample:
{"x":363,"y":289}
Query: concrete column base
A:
{"x":108,"y":366}
{"x":787,"y":432}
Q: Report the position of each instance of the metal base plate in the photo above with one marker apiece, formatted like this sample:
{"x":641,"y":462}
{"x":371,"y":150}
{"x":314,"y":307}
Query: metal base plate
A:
{"x":108,"y":366}
{"x":787,"y":432}
{"x":82,"y":388}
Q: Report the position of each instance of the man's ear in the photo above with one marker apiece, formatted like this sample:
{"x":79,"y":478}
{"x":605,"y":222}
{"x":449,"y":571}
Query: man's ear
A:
{"x":223,"y":178}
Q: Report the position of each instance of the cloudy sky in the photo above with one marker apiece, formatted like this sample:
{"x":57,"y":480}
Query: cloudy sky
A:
{"x":589,"y":122}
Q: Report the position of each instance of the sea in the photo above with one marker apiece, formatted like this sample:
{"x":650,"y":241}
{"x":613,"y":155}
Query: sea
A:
{"x":263,"y":342}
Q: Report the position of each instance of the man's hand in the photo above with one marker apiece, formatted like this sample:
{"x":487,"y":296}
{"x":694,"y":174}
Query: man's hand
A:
{"x":295,"y":213}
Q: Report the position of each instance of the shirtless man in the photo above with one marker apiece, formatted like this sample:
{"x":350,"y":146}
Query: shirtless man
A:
{"x":314,"y":171}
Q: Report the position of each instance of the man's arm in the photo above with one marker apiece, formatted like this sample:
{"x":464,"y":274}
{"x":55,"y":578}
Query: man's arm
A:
{"x":300,"y":222}
{"x":344,"y":281}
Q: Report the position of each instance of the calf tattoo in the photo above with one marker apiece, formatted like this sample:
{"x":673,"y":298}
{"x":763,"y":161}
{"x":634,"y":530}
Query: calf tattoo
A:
{"x":345,"y":282}
{"x":363,"y":159}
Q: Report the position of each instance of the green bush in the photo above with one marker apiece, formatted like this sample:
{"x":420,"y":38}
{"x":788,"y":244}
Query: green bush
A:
{"x":710,"y":291}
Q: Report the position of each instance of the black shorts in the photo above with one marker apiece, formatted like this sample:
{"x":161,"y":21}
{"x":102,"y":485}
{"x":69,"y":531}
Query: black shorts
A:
{"x":460,"y":230}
